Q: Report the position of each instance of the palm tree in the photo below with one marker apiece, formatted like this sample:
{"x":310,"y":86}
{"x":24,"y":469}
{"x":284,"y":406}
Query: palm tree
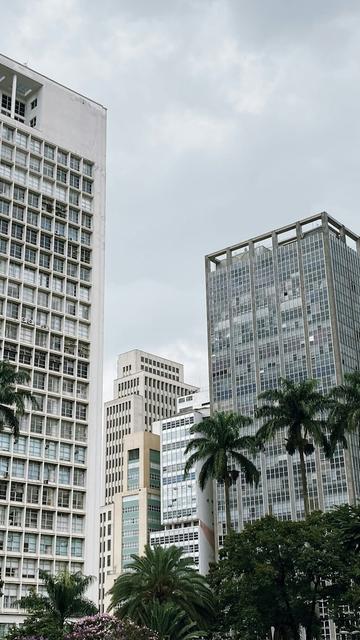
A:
{"x":345,"y":409}
{"x":12,"y":400}
{"x":170,"y":622}
{"x":218,"y":443}
{"x":161,"y":576}
{"x":64,"y":600}
{"x":295,"y":408}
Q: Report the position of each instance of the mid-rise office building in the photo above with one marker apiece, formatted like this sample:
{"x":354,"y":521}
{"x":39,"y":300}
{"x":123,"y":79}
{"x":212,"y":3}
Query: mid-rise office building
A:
{"x":285,"y":304}
{"x":145,"y":390}
{"x":187,"y":512}
{"x":52,"y":211}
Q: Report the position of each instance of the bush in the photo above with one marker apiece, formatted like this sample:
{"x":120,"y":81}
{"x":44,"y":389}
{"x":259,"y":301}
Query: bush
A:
{"x":106,"y":627}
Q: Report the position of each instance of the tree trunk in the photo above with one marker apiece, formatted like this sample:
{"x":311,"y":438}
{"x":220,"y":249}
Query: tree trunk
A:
{"x":304,"y":482}
{"x":227,"y":505}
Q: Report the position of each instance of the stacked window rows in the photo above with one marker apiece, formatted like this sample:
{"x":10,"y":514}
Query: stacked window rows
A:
{"x":46,"y":196}
{"x":292,"y":338}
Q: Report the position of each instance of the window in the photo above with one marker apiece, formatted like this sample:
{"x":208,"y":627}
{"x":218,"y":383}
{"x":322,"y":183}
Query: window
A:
{"x":76,"y":547}
{"x":49,"y":152}
{"x":35,"y":145}
{"x":15,"y":250}
{"x":48,"y":170}
{"x":74,"y":163}
{"x":21,"y":138}
{"x":10,"y":596}
{"x":64,"y":498}
{"x":28,"y":568}
{"x":87,"y":169}
{"x":13,"y":541}
{"x":47,"y":520}
{"x":15,"y":517}
{"x":38,"y":380}
{"x":63,"y":522}
{"x":65,"y":452}
{"x":34,"y":471}
{"x":61,"y":175}
{"x":37,"y":424}
{"x":35,"y":164}
{"x":81,"y":411}
{"x":68,"y":387}
{"x":67,"y":408}
{"x":74,"y":181}
{"x":31,"y":236}
{"x":62,"y":546}
{"x":62,"y":157}
{"x":18,"y":468}
{"x":50,"y":450}
{"x":64,"y":475}
{"x":35,"y":447}
{"x":78,"y":524}
{"x":46,"y":545}
{"x":73,"y":216}
{"x":54,"y":384}
{"x":58,"y":265}
{"x":66,"y":430}
{"x":33,"y":492}
{"x":20,"y":445}
{"x":33,"y":200}
{"x":17,"y":492}
{"x":12,"y":567}
{"x":79,"y":477}
{"x":31,"y":518}
{"x":80,"y":455}
{"x":78,"y":500}
{"x":20,"y":156}
{"x":30,"y":543}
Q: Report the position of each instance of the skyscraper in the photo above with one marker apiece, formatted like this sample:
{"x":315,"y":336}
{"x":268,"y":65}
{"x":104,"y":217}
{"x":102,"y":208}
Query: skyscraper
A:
{"x":285,"y":304}
{"x":52,"y":210}
{"x":146,"y":390}
{"x":187,"y":512}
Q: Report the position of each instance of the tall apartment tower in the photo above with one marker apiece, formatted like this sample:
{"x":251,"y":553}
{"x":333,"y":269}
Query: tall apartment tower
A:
{"x":285,"y":304}
{"x":146,"y":390}
{"x":52,"y":210}
{"x":187,"y":513}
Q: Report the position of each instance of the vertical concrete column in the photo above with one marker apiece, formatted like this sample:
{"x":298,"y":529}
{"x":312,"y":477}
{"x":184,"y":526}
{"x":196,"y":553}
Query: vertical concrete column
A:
{"x":13,"y":95}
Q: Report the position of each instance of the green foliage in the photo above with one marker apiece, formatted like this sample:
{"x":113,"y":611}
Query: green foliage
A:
{"x":50,"y":613}
{"x":274,"y":574}
{"x":218,"y":439}
{"x":296,"y":409}
{"x":345,"y":409}
{"x":158,"y":580}
{"x":12,"y":400}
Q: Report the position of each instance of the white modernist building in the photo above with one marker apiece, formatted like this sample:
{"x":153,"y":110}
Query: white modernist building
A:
{"x":187,"y":513}
{"x":146,"y":389}
{"x":52,"y":212}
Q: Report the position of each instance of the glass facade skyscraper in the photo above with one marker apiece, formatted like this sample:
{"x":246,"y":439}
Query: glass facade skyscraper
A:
{"x":285,"y":304}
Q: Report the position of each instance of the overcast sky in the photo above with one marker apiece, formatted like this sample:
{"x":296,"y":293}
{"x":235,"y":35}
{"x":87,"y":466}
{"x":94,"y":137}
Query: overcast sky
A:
{"x":225,"y":118}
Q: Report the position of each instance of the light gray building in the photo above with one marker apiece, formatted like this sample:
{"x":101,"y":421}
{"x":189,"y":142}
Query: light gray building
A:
{"x":285,"y":304}
{"x":187,"y":513}
{"x":145,"y":390}
{"x":52,"y":212}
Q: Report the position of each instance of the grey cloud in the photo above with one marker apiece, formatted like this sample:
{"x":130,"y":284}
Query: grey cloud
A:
{"x":226,"y":118}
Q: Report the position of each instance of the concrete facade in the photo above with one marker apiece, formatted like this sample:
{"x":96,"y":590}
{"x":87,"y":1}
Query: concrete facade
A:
{"x":146,"y":389}
{"x":52,"y":217}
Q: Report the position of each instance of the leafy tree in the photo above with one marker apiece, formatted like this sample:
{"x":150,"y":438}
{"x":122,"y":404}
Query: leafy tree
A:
{"x":163,"y":577}
{"x":12,"y":400}
{"x":296,"y":409}
{"x":106,"y":627}
{"x":219,"y":444}
{"x":50,"y":613}
{"x":345,"y":409}
{"x":274,"y":573}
